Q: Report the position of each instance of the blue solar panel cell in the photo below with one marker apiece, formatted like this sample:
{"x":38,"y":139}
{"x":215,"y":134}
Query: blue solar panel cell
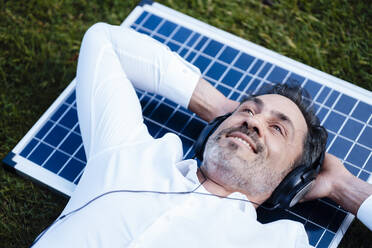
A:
{"x":235,"y":96}
{"x":59,"y":112}
{"x":340,"y":147}
{"x":44,"y":130}
{"x":321,"y":214}
{"x":364,"y":176}
{"x":358,"y":155}
{"x":257,"y":65}
{"x":40,"y":153}
{"x":366,"y":137}
{"x":243,"y":84}
{"x":232,"y":77}
{"x":332,"y":98}
{"x":351,"y":129}
{"x":71,"y":97}
{"x":314,"y":232}
{"x":193,"y":38}
{"x":161,"y":114}
{"x":323,"y":94}
{"x":213,"y":48}
{"x":151,"y":127}
{"x":56,"y":161}
{"x":182,"y":34}
{"x":244,"y":61}
{"x":158,"y":38}
{"x":368,"y":166}
{"x":56,"y":135}
{"x":264,"y":70}
{"x":173,"y":46}
{"x":186,"y":144}
{"x":71,"y":143}
{"x":72,"y":169}
{"x":322,"y":113}
{"x":202,"y":62}
{"x":228,"y":55}
{"x":141,"y":17}
{"x":216,"y":71}
{"x":362,"y":112}
{"x":193,"y":128}
{"x":70,"y":119}
{"x":334,"y":121}
{"x":81,"y":154}
{"x":183,"y":52}
{"x":147,"y":110}
{"x":253,"y":86}
{"x":345,"y":104}
{"x":28,"y":148}
{"x":277,"y":75}
{"x":177,"y":121}
{"x":201,"y":43}
{"x":152,"y":22}
{"x":191,"y":56}
{"x":167,"y":28}
{"x":326,"y":239}
{"x":329,"y":139}
{"x":312,"y":88}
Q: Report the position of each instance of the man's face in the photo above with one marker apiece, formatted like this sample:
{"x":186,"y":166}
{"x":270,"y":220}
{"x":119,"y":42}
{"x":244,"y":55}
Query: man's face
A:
{"x":253,"y":149}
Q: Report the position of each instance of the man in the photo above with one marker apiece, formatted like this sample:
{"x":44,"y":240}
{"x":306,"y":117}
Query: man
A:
{"x":137,"y":191}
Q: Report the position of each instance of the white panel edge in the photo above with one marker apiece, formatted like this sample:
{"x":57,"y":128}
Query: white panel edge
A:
{"x":42,"y":175}
{"x":342,"y":230}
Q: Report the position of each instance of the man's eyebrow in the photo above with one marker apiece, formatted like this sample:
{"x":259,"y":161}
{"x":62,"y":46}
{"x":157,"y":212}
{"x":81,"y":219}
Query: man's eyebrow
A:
{"x":284,"y":118}
{"x":257,"y":101}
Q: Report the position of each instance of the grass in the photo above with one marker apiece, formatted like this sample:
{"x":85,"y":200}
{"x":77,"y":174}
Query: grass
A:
{"x":39,"y":45}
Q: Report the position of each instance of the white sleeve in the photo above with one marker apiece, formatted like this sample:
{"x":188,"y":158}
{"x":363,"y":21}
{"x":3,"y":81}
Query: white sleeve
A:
{"x":112,"y":61}
{"x":364,"y":213}
{"x":152,"y":66}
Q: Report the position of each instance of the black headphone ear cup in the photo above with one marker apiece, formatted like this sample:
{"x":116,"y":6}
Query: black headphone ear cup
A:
{"x":205,"y":133}
{"x":282,"y":193}
{"x":295,"y":185}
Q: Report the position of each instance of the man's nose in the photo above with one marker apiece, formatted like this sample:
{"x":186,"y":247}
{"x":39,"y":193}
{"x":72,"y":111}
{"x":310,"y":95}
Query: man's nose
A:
{"x":254,"y":123}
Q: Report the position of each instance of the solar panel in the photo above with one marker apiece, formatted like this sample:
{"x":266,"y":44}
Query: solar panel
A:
{"x":53,"y":154}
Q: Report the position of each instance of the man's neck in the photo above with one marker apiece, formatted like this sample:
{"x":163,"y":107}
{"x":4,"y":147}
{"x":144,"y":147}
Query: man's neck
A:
{"x":219,"y":190}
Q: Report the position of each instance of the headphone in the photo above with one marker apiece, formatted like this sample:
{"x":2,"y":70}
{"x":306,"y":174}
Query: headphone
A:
{"x":290,"y":190}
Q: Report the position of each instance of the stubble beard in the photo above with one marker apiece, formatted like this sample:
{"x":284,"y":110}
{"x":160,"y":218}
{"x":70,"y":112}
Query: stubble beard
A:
{"x":224,"y":166}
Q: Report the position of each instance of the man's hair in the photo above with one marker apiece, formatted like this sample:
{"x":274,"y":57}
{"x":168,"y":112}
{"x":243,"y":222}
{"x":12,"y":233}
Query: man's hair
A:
{"x":316,"y":136}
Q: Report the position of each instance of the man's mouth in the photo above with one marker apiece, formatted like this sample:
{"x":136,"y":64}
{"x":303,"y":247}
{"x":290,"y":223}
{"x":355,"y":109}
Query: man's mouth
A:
{"x":244,"y":139}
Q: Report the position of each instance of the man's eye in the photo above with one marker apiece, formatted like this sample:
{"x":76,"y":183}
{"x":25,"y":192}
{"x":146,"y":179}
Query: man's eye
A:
{"x":277,"y":128}
{"x":250,"y":112}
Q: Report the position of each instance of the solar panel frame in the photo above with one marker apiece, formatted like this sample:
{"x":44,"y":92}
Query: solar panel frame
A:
{"x":221,"y":53}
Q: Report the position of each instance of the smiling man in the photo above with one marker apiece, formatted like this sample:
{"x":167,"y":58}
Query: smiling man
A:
{"x":247,"y":152}
{"x":137,"y":191}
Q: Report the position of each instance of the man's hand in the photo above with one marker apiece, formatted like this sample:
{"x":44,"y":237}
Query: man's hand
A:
{"x":331,"y":171}
{"x":337,"y":183}
{"x":207,"y":102}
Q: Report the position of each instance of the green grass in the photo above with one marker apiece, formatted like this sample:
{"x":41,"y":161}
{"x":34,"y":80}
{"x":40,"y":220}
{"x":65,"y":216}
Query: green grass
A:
{"x":39,"y":45}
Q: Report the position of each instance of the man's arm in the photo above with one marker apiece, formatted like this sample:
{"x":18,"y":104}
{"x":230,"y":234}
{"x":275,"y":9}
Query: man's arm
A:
{"x":207,"y":102}
{"x":338,"y":184}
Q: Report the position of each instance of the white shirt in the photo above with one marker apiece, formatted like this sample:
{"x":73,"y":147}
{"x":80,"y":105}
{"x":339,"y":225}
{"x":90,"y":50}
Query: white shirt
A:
{"x":123,"y":156}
